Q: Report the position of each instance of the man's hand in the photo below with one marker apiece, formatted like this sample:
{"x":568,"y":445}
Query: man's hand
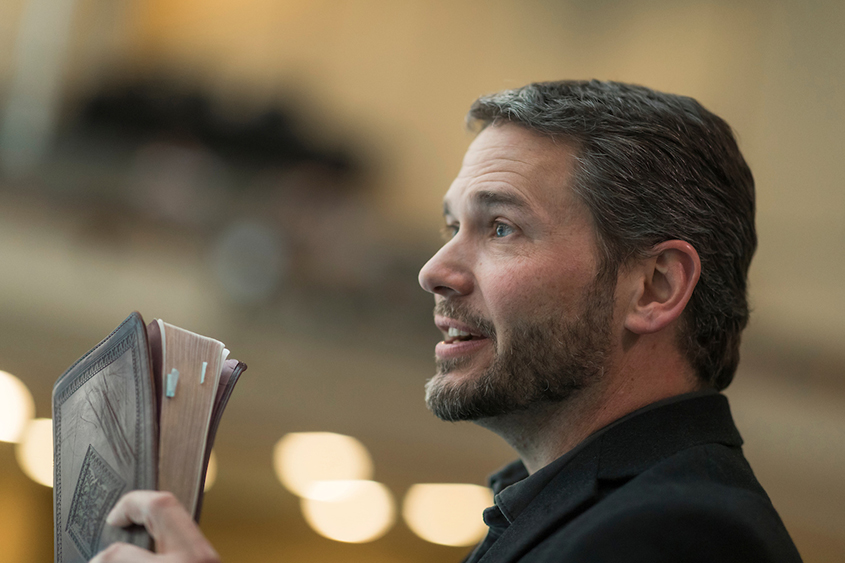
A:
{"x":178,"y":539}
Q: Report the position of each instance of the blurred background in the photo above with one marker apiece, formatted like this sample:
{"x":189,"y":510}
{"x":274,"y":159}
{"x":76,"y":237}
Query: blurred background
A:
{"x":269,"y":172}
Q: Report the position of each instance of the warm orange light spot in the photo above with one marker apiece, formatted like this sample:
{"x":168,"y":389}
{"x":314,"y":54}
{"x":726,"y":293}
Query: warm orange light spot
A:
{"x":447,"y":514}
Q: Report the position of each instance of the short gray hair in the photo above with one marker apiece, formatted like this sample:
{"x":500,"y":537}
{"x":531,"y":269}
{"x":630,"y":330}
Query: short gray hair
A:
{"x":653,"y":167}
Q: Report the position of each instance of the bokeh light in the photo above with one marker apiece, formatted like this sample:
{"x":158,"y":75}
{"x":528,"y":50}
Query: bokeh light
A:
{"x":16,"y":407}
{"x":447,"y":513}
{"x":35,"y":451}
{"x":359,"y":511}
{"x":302,"y":458}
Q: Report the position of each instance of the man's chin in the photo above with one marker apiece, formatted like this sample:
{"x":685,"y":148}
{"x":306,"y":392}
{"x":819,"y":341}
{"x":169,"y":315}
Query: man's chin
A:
{"x":444,"y":400}
{"x":467,"y":391}
{"x":462,"y":393}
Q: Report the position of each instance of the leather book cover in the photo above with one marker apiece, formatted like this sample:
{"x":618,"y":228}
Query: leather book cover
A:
{"x":232,"y":370}
{"x":118,"y":413}
{"x":104,"y":440}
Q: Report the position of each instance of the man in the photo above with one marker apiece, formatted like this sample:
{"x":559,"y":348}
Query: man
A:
{"x":591,"y":292}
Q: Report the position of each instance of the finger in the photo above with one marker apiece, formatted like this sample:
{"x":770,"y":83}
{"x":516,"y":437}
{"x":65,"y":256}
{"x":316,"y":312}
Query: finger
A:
{"x":135,"y":507}
{"x":162,"y":515}
{"x":123,"y":553}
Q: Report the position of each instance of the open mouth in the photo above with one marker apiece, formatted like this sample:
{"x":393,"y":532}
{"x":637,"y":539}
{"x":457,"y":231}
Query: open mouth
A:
{"x":457,"y":335}
{"x":454,"y":331}
{"x":459,"y":339}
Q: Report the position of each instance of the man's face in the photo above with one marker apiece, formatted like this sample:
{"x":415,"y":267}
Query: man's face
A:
{"x":524,"y":318}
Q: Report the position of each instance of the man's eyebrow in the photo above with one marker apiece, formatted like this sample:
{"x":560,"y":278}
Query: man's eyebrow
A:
{"x":499,"y":199}
{"x":486,"y":198}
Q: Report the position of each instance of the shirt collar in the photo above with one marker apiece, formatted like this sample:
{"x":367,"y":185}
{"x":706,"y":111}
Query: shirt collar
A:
{"x":514,"y":489}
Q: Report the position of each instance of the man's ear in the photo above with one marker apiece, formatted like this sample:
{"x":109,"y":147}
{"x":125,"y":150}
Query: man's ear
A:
{"x":662,"y":286}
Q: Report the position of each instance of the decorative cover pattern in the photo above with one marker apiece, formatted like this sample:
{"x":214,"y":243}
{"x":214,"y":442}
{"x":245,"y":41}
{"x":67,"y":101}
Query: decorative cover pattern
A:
{"x":104,"y":440}
{"x":97,"y":490}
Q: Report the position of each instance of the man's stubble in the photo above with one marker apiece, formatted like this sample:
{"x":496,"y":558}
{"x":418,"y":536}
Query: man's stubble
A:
{"x":545,"y":360}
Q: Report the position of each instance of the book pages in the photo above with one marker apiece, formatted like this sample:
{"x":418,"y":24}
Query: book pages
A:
{"x":191,"y":372}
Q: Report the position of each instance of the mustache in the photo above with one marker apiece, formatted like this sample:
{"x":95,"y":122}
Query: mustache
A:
{"x":464,"y":314}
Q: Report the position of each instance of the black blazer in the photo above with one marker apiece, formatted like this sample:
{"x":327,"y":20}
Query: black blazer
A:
{"x":670,"y":484}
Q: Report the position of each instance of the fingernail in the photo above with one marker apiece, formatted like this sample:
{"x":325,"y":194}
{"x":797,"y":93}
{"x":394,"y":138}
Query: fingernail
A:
{"x":110,"y":519}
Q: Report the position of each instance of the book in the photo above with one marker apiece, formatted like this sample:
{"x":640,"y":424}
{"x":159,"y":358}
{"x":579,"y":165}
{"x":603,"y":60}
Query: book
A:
{"x":138,"y":411}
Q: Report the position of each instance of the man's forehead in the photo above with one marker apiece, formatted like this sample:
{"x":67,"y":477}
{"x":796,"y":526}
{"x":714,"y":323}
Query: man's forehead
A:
{"x":510,"y":142}
{"x":510,"y":166}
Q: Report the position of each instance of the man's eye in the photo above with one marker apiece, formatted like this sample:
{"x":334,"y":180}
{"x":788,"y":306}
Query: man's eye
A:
{"x":503,"y":230}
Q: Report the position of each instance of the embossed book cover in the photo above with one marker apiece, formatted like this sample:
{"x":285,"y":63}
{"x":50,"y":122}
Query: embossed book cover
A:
{"x":138,"y":411}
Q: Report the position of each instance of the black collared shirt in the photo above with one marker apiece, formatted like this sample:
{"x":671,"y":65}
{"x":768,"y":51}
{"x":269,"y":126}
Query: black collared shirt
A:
{"x":514,"y":489}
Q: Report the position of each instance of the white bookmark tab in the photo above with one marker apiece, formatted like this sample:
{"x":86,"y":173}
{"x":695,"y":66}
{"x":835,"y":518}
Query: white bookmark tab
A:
{"x":170,"y":384}
{"x":202,"y":375}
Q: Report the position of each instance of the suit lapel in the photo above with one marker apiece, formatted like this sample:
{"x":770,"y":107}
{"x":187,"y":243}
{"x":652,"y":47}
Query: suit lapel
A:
{"x":620,"y":453}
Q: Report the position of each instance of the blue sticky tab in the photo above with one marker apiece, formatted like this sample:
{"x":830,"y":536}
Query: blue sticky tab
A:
{"x":202,"y":375}
{"x":170,"y":384}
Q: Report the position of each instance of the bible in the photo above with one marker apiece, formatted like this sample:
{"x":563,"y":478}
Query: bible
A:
{"x":138,"y":411}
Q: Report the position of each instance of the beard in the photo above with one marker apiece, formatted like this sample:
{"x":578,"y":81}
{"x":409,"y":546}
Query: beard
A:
{"x":545,"y":360}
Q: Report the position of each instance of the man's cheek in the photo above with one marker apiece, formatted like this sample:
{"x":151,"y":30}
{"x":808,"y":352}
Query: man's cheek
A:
{"x":517,"y":298}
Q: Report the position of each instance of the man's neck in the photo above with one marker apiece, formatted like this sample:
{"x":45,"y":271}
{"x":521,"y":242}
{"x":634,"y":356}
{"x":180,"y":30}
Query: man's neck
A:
{"x":546,"y":431}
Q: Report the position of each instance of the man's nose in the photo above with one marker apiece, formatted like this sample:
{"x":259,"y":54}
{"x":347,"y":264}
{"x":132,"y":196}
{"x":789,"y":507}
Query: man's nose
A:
{"x":447,"y":272}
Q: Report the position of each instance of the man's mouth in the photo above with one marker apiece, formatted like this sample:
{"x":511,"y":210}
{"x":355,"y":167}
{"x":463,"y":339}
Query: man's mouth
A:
{"x":455,"y":332}
{"x":458,"y":335}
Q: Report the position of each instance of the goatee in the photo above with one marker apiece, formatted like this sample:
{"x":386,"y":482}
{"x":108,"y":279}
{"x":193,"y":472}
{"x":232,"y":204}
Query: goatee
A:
{"x":544,"y":359}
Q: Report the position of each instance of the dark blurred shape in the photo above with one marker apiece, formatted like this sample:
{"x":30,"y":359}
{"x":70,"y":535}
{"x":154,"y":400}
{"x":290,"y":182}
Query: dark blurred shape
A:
{"x":147,"y":110}
{"x":282,"y":214}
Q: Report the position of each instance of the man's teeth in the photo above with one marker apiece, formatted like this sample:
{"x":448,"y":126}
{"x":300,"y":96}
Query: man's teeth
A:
{"x":457,"y":333}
